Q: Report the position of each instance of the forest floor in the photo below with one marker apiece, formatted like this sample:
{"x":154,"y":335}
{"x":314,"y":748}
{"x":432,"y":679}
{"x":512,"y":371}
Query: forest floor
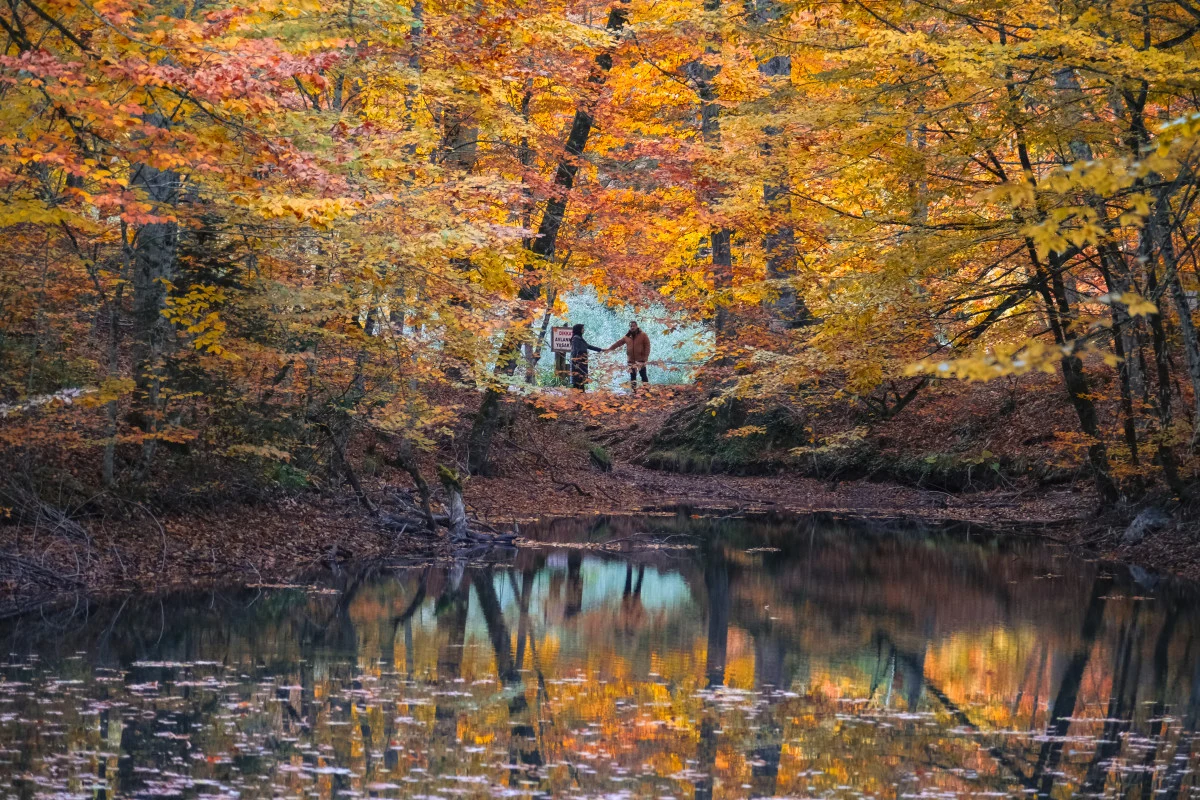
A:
{"x":545,"y":470}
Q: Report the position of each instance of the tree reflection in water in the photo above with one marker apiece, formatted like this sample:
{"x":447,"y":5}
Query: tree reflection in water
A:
{"x":777,"y":657}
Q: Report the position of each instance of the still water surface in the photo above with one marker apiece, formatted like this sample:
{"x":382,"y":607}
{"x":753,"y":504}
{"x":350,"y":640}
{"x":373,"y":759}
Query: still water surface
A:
{"x":772,"y":657}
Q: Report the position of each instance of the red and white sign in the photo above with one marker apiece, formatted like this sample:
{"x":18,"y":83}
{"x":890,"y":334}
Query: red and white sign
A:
{"x":560,"y":340}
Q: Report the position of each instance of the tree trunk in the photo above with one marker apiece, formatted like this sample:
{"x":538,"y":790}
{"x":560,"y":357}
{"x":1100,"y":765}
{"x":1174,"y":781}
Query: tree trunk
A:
{"x":543,"y":246}
{"x":479,"y":441}
{"x":1077,"y":389}
{"x":455,"y":507}
{"x":1111,"y":267}
{"x":154,"y":249}
{"x":720,"y":241}
{"x":1187,"y":326}
{"x":779,"y":242}
{"x":111,"y":410}
{"x":564,"y":176}
{"x":1154,"y":240}
{"x":1166,"y":417}
{"x":1051,"y":288}
{"x":1058,"y":309}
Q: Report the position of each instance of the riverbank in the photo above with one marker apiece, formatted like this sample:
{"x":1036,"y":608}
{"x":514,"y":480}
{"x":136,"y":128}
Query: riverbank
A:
{"x":584,"y":457}
{"x":1063,"y":514}
{"x":274,"y":542}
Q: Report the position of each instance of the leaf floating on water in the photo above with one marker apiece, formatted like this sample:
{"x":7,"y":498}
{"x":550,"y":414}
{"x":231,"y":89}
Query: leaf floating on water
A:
{"x":302,"y":587}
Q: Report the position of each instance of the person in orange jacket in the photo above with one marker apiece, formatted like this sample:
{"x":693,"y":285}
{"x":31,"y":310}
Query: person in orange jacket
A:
{"x":637,"y":352}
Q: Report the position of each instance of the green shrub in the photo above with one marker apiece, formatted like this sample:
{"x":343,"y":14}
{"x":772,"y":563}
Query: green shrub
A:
{"x":600,"y":458}
{"x":288,"y":477}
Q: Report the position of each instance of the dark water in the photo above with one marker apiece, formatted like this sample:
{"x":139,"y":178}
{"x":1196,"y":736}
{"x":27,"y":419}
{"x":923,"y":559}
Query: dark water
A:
{"x":770,"y":657}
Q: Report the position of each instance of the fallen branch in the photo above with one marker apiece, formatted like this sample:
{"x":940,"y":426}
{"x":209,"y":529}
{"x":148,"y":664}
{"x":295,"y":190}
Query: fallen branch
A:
{"x":403,"y":459}
{"x":339,"y":450}
{"x":570,"y":485}
{"x":36,"y":573}
{"x":26,"y":503}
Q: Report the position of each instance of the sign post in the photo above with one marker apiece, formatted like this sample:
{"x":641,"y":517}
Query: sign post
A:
{"x":560,"y":340}
{"x":560,"y":343}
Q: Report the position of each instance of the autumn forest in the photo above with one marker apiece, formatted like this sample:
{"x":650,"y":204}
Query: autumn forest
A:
{"x":257,"y":249}
{"x":305,"y":493}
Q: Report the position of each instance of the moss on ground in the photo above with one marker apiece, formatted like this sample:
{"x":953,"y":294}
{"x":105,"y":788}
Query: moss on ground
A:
{"x":731,"y":436}
{"x":728,"y":435}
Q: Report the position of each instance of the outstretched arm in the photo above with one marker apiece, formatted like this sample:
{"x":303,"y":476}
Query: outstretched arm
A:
{"x":593,"y":347}
{"x":618,"y":343}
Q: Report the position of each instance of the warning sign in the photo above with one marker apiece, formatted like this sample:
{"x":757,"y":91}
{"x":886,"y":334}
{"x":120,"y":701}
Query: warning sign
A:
{"x":560,"y":340}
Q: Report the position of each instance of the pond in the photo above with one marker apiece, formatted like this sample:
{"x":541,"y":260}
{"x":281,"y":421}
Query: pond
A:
{"x":737,"y":657}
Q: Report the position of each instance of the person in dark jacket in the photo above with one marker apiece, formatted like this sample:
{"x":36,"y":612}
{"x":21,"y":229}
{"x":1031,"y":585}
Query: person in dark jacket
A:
{"x":579,"y":358}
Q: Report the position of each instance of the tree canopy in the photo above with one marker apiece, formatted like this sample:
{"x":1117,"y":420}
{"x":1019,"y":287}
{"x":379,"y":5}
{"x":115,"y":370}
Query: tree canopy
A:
{"x":251,"y":230}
